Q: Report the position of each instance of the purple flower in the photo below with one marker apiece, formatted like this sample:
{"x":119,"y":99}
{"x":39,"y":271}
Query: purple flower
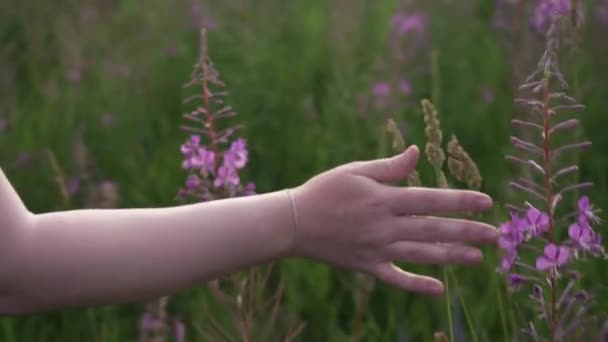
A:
{"x":249,"y":189}
{"x":581,"y":234}
{"x":516,"y":280}
{"x":512,"y":233}
{"x":226,"y":175}
{"x":546,"y":11}
{"x":537,"y":291}
{"x":582,"y":296}
{"x":507,"y":261}
{"x":73,"y":186}
{"x":602,"y":13}
{"x":539,"y":221}
{"x":3,"y":125}
{"x":193,"y":181}
{"x":197,"y":157}
{"x":585,"y":210}
{"x":179,"y":330}
{"x":237,"y":155}
{"x":190,"y":146}
{"x":381,"y":89}
{"x":585,"y":238}
{"x":553,"y":257}
{"x":204,"y":160}
{"x":403,"y":24}
{"x":148,"y":324}
{"x":405,"y":87}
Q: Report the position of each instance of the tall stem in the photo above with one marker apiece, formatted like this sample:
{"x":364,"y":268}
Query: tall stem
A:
{"x":550,"y":196}
{"x":206,"y":94}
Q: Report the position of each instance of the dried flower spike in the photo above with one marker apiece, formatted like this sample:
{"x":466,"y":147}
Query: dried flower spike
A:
{"x":461,"y":166}
{"x":440,"y":336}
{"x":413,"y":179}
{"x":433,"y":149}
{"x":393,"y":130}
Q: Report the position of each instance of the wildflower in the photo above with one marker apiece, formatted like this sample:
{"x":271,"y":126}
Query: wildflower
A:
{"x":586,"y":210}
{"x":381,"y":89}
{"x":107,"y":195}
{"x":539,"y":222}
{"x":226,"y":175}
{"x":582,"y":296}
{"x":249,"y":189}
{"x":403,"y":24}
{"x":237,"y":154}
{"x":546,"y":11}
{"x":553,"y":257}
{"x":179,"y":329}
{"x":537,"y":291}
{"x":405,"y":87}
{"x":191,"y":145}
{"x":602,"y":13}
{"x":585,"y":238}
{"x":508,"y":260}
{"x":517,"y":280}
{"x":193,"y":181}
{"x":381,"y":92}
{"x":73,"y":186}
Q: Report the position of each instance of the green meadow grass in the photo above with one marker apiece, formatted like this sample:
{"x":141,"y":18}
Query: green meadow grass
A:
{"x":295,"y":88}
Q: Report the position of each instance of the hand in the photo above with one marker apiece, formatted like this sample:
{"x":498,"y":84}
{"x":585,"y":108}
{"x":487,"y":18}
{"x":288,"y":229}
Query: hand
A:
{"x":349,"y":217}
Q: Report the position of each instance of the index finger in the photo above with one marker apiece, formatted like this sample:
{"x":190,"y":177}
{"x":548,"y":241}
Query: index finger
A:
{"x":424,"y":201}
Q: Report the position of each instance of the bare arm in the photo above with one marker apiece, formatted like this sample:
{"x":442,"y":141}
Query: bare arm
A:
{"x":347,"y":217}
{"x":88,"y":257}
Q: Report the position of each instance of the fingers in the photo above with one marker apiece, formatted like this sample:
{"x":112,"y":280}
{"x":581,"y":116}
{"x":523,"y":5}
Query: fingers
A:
{"x":425,"y":201}
{"x":393,"y":275}
{"x":390,"y":169}
{"x":434,"y":229}
{"x":435,"y":254}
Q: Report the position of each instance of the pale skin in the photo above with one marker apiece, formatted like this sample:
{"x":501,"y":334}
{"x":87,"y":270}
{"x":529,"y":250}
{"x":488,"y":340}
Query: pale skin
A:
{"x":349,"y":217}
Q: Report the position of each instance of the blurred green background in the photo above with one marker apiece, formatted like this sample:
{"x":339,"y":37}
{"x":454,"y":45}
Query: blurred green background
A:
{"x":302,"y":76}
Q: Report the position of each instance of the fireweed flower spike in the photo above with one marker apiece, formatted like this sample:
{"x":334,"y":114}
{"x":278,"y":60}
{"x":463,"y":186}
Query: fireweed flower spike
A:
{"x":213,"y":157}
{"x":213,"y":168}
{"x":535,"y":258}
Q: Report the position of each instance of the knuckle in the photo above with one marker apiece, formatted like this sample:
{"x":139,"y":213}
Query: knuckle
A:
{"x":377,"y":202}
{"x":414,"y":254}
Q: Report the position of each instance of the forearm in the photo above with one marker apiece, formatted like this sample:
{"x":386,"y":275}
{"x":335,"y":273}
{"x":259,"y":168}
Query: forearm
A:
{"x":89,"y":257}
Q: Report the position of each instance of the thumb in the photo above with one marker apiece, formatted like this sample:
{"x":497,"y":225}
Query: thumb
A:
{"x":390,"y":169}
{"x":392,"y":275}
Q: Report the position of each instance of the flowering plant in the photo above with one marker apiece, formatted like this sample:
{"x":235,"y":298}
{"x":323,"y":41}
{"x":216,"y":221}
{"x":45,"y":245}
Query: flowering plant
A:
{"x":534,"y":249}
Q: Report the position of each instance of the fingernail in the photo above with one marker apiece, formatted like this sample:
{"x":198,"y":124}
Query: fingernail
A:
{"x":473,"y":256}
{"x":437,"y":288}
{"x":483,"y":202}
{"x":491,"y":235}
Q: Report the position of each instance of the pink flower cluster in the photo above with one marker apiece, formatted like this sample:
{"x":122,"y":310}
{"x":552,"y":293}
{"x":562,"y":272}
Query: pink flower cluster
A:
{"x":583,"y":239}
{"x":545,"y":11}
{"x":205,"y":168}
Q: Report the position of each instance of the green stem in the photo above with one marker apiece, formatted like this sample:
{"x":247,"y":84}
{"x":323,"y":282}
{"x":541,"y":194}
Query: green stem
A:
{"x":448,"y":302}
{"x":464,"y":306}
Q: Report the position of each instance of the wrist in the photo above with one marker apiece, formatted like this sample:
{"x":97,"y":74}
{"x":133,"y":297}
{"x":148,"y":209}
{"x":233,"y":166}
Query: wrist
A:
{"x":292,"y":230}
